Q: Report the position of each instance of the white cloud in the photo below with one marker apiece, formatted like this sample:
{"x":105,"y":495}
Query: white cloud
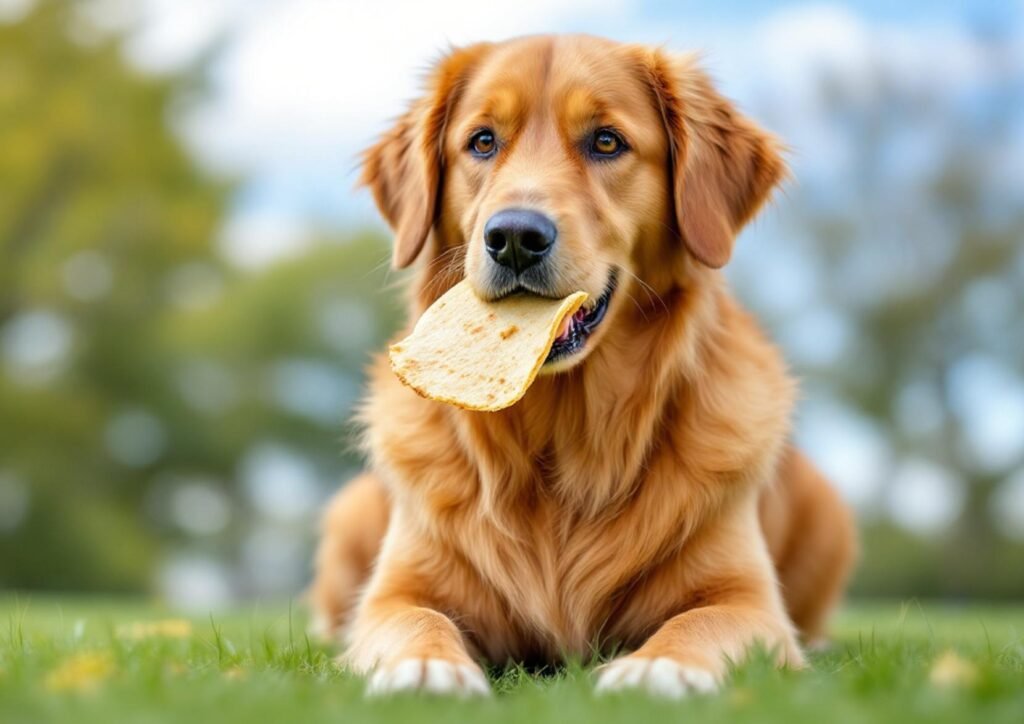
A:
{"x":173,"y":32}
{"x":302,"y":86}
{"x":317,"y":79}
{"x":804,"y":44}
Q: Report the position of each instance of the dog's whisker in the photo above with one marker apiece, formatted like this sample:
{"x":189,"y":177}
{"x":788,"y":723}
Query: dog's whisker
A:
{"x":440,"y":260}
{"x":651,"y":293}
{"x":385,"y":260}
{"x":442,"y":267}
{"x":648,"y":290}
{"x":450,"y":271}
{"x":638,"y":306}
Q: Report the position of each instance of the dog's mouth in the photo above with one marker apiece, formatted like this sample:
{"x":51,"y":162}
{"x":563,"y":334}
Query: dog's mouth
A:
{"x":577,"y":328}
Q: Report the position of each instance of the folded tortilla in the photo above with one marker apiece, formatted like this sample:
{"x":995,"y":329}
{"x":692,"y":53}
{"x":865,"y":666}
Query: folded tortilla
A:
{"x":480,"y":355}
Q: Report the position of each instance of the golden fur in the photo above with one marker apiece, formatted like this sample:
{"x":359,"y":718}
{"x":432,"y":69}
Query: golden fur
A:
{"x":646,"y":498}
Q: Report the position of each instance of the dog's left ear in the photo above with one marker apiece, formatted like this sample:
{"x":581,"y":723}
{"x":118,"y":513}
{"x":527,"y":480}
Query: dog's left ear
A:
{"x":723,"y":165}
{"x":405,"y":168}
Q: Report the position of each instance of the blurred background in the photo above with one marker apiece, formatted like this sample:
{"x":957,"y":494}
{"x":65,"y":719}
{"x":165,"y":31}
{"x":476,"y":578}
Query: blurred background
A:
{"x":190,"y":288}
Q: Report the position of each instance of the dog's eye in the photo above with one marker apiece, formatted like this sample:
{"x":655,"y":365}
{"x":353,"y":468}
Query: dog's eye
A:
{"x":607,"y":144}
{"x":482,"y":144}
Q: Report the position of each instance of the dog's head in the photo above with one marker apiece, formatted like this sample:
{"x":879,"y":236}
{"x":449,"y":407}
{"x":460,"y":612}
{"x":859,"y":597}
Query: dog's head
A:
{"x":546,"y":165}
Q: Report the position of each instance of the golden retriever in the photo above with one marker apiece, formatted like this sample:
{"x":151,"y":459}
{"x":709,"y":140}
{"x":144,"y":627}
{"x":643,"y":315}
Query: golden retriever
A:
{"x":644,"y":495}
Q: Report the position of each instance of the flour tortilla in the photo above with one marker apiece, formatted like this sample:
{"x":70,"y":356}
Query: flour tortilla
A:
{"x":480,"y":355}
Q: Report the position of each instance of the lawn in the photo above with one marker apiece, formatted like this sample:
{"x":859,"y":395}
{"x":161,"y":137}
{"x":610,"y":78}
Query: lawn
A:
{"x":105,"y":661}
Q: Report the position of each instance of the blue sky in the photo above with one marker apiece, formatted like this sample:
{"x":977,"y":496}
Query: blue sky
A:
{"x":890,"y":10}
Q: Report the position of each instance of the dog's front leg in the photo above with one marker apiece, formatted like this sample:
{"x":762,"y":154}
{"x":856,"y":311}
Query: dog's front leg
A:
{"x":403,"y":643}
{"x":404,"y":647}
{"x":691,"y":652}
{"x":740,"y":608}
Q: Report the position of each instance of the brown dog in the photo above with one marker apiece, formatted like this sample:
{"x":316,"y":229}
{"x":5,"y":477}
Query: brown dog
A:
{"x":643,"y":493}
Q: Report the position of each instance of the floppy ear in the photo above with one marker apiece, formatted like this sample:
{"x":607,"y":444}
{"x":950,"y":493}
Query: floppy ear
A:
{"x":723,"y":165}
{"x":405,"y":168}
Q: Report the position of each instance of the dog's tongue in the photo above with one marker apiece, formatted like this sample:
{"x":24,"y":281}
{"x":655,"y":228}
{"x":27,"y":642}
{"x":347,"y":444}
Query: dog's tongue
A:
{"x":481,"y":355}
{"x":564,"y":327}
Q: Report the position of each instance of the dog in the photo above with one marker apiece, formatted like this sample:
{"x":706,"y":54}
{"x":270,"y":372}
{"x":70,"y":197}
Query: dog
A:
{"x":644,"y":497}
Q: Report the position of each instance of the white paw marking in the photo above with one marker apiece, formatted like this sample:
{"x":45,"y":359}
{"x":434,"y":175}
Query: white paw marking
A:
{"x":659,"y":677}
{"x":433,"y":676}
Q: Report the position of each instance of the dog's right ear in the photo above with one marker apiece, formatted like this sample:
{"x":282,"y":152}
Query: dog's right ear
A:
{"x":723,"y":165}
{"x":405,"y":168}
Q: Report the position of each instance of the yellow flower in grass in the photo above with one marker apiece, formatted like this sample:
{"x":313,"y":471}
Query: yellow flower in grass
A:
{"x":951,"y":670}
{"x":235,"y":673}
{"x":171,"y":628}
{"x":81,"y":672}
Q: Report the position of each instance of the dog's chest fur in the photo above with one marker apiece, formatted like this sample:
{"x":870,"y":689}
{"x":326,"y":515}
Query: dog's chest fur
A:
{"x":557,"y":590}
{"x":540,"y":529}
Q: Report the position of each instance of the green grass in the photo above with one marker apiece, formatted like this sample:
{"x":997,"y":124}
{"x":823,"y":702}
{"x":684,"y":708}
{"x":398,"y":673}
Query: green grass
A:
{"x":78,"y":661}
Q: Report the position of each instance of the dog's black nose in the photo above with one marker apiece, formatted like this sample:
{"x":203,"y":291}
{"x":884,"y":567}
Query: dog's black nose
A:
{"x":519,"y":238}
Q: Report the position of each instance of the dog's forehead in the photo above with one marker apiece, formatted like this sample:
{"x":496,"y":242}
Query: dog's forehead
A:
{"x":575,"y":77}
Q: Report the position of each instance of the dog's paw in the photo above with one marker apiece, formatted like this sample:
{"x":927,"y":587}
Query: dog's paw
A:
{"x":659,"y":677}
{"x":429,"y":676}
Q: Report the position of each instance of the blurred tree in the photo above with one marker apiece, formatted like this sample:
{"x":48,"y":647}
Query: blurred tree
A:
{"x":919,"y":255}
{"x":133,"y":360}
{"x":99,"y":201}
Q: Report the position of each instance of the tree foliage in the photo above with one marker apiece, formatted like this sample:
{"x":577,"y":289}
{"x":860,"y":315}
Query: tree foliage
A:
{"x":109,"y":270}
